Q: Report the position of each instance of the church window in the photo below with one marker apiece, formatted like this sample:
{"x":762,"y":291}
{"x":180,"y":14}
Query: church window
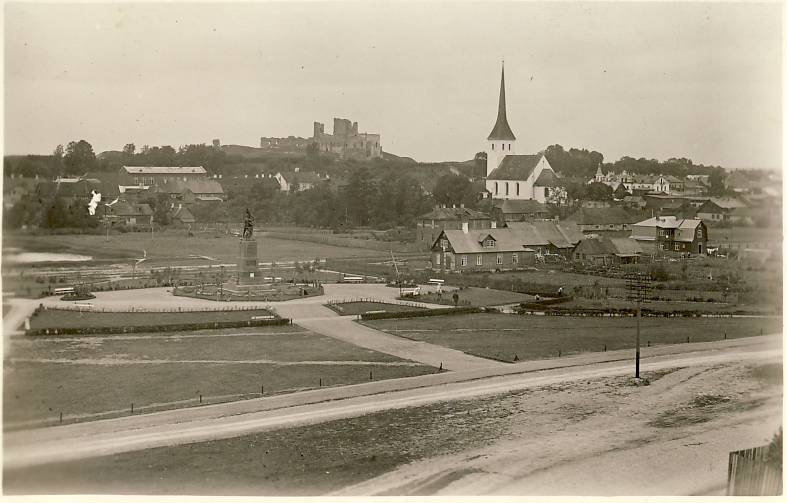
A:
{"x":517,"y":188}
{"x":496,"y":191}
{"x":506,"y":188}
{"x":493,"y":146}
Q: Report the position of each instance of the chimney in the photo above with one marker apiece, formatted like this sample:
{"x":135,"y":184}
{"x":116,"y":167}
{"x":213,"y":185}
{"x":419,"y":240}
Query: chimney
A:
{"x":494,"y":224}
{"x":465,"y":227}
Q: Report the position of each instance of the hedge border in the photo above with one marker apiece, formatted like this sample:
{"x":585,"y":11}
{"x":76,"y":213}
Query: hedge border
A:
{"x":179,"y":327}
{"x":425,"y":313}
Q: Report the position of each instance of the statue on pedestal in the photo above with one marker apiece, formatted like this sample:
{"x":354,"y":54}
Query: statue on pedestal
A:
{"x":248,"y":225}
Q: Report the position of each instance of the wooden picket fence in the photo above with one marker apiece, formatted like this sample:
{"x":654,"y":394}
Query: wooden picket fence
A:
{"x":749,"y":474}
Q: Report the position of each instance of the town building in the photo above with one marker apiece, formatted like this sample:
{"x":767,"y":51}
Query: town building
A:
{"x":346,"y":141}
{"x":190,"y":190}
{"x":603,"y":250}
{"x":721,"y":211}
{"x":548,"y":237}
{"x":297,"y":181}
{"x":431,"y":224}
{"x":670,"y":234}
{"x":147,"y":176}
{"x":480,"y":250}
{"x":512,"y":176}
{"x":518,"y":210}
{"x":603,"y":219}
{"x":129,"y":214}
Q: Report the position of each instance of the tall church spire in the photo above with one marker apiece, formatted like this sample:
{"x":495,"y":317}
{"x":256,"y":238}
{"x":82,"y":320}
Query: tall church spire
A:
{"x":502,"y":131}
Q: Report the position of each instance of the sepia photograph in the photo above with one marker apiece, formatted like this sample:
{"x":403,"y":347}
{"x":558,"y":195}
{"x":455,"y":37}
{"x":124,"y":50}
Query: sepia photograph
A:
{"x":392,"y":249}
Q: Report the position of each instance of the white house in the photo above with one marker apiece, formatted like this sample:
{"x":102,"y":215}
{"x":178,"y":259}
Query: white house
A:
{"x":512,"y":176}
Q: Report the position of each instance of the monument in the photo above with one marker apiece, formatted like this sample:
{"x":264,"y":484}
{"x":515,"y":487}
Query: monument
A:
{"x":248,"y":269}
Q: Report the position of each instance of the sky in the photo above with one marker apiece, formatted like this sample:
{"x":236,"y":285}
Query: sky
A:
{"x":654,"y":80}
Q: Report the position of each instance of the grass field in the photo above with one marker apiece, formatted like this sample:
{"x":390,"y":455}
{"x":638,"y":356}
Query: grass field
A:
{"x":176,"y":244}
{"x":353,"y":308}
{"x":80,"y":376}
{"x":512,"y":337}
{"x":56,"y":318}
{"x":322,"y":458}
{"x":478,"y":297}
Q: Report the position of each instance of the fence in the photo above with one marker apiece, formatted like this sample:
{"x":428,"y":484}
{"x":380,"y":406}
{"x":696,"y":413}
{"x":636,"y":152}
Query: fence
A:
{"x":75,"y":307}
{"x":175,"y":327}
{"x":751,"y":473}
{"x":348,"y":300}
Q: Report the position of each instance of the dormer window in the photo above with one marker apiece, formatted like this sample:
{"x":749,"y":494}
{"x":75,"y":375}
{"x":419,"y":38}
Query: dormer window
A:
{"x":489,"y":243}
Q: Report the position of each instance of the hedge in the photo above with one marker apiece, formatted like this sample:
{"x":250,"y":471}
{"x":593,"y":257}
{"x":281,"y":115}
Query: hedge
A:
{"x":180,"y":327}
{"x":546,"y":302}
{"x":425,"y":312}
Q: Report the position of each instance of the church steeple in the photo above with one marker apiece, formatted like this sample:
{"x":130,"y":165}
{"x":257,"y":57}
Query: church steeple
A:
{"x":502,"y":131}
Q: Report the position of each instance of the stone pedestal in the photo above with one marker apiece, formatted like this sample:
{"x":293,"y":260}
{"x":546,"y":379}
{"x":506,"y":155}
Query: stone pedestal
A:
{"x":248,"y":269}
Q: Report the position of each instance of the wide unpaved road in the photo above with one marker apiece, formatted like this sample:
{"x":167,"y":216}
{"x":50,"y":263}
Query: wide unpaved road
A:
{"x":72,"y":442}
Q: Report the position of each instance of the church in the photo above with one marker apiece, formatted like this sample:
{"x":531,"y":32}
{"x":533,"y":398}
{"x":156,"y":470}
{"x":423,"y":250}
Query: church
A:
{"x":513,"y":176}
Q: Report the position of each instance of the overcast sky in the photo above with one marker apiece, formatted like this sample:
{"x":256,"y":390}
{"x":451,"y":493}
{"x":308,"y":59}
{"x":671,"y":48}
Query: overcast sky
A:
{"x":654,"y":80}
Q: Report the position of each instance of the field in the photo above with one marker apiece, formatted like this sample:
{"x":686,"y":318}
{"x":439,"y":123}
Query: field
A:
{"x":423,"y":450}
{"x":56,"y":318}
{"x":175,"y":244}
{"x":353,"y":308}
{"x":515,"y":338}
{"x":85,"y":376}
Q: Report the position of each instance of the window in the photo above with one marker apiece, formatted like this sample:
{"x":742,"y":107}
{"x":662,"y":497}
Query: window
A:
{"x":493,"y":146}
{"x":699,"y":232}
{"x":506,"y":188}
{"x":437,"y":259}
{"x":514,"y":258}
{"x":479,"y":259}
{"x":661,"y":232}
{"x":496,"y":191}
{"x":517,"y":188}
{"x":464,"y":260}
{"x":665,"y":246}
{"x":489,"y":243}
{"x":677,"y":246}
{"x":499,"y":258}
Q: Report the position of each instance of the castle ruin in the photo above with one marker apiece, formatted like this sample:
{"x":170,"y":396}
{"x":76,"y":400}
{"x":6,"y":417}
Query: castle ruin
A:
{"x":347,"y":141}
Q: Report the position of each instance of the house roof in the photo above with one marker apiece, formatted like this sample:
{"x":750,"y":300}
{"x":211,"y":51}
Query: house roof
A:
{"x":183,"y":214}
{"x":301,"y":177}
{"x":685,"y":227}
{"x":596,"y":245}
{"x":547,"y":178}
{"x":164,"y":170}
{"x":196,"y":186}
{"x":454,"y":214}
{"x":602,"y":216}
{"x":506,"y":240}
{"x":560,"y":235}
{"x":515,"y":167}
{"x":728,"y":203}
{"x":501,"y":130}
{"x":626,"y":246}
{"x":126,"y":209}
{"x":515,"y":206}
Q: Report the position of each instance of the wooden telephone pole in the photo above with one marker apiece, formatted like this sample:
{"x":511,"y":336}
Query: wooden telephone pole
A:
{"x":638,"y":288}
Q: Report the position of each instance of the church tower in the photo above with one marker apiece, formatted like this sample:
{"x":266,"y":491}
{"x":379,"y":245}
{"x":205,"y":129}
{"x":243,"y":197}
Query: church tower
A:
{"x":501,"y":141}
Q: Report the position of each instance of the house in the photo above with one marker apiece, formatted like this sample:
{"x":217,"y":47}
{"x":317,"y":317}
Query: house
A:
{"x":636,"y":203}
{"x":180,"y":215}
{"x":189,"y":190}
{"x":549,"y":237}
{"x":669,"y":233}
{"x":603,"y":219}
{"x":297,"y":181}
{"x":129,"y":214}
{"x":518,"y":210}
{"x":512,"y":176}
{"x":431,"y":224}
{"x":720,"y":211}
{"x":606,"y":251}
{"x":146,"y":176}
{"x":480,"y":250}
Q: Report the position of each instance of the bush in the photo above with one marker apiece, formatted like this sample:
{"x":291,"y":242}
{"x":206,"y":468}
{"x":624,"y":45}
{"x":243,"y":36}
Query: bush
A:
{"x":423,"y":313}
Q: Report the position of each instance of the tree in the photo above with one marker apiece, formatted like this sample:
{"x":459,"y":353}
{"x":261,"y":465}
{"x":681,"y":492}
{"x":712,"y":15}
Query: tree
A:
{"x":598,"y":191}
{"x":452,"y":190}
{"x":79,"y":158}
{"x":161,"y":210}
{"x":128,"y":150}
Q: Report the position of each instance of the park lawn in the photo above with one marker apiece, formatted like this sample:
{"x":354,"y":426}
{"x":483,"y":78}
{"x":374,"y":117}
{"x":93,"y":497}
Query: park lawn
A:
{"x":355,"y":308}
{"x":476,"y":297}
{"x":61,"y":318}
{"x":83,"y":376}
{"x":173,"y":244}
{"x":512,"y":337}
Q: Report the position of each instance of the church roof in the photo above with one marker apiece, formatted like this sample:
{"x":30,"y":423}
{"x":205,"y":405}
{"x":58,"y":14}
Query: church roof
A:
{"x":547,"y":178}
{"x":515,"y":167}
{"x":502,"y":131}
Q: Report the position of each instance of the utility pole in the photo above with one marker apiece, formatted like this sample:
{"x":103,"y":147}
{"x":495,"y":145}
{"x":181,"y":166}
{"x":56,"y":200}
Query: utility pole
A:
{"x":638,"y":287}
